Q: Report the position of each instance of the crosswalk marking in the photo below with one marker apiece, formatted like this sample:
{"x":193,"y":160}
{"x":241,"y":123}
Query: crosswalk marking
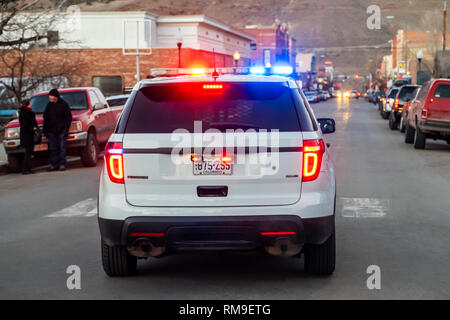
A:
{"x":365,"y":207}
{"x":85,"y":208}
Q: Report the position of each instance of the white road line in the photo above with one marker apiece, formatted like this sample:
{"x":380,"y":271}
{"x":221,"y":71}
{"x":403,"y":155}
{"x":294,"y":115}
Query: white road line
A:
{"x":85,"y":208}
{"x":365,"y":207}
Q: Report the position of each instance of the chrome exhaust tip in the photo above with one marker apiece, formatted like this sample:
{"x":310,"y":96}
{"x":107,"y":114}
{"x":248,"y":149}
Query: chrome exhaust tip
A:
{"x":144,"y":248}
{"x":284,"y":247}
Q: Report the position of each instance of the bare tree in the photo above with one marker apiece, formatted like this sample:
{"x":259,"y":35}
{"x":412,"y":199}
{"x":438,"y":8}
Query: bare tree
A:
{"x":26,"y":61}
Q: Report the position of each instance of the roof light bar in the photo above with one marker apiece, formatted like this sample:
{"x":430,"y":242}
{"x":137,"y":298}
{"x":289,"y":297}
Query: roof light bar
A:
{"x":172,"y":72}
{"x":284,"y":70}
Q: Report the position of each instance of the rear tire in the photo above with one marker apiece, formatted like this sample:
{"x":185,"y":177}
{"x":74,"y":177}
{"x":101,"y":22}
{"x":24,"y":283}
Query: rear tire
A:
{"x":117,"y":262}
{"x":409,"y":134}
{"x":320,"y":259}
{"x":385,"y":115}
{"x":89,"y":154}
{"x":15,"y":162}
{"x":393,"y":124}
{"x":420,"y":139}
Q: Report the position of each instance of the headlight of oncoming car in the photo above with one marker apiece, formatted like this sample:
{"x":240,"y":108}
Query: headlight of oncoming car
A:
{"x":75,"y":127}
{"x":12,"y":133}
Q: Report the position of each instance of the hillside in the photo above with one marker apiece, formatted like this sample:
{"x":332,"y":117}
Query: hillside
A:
{"x":314,"y":23}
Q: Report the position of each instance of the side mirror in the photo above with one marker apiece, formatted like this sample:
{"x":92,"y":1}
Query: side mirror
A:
{"x":327,"y":125}
{"x":98,"y":106}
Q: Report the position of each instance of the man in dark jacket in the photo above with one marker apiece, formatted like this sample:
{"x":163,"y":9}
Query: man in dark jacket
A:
{"x":57,"y":121}
{"x":28,"y":125}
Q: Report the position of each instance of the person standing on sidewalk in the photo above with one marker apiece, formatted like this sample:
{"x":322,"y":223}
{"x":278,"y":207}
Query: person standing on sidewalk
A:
{"x":57,"y":121}
{"x":28,"y":125}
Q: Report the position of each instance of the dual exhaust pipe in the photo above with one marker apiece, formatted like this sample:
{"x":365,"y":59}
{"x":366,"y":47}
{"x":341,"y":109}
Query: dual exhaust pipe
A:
{"x":144,"y":248}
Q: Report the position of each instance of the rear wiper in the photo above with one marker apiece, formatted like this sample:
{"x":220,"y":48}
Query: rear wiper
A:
{"x":232,"y":125}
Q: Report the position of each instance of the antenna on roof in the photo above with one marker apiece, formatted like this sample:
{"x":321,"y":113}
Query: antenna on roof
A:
{"x":215,"y":74}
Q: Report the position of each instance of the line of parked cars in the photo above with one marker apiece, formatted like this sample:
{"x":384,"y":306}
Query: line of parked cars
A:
{"x":420,"y":112}
{"x":315,"y":96}
{"x":94,"y":120}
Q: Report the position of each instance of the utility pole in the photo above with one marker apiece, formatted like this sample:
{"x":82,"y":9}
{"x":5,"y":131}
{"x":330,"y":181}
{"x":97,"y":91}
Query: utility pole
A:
{"x":444,"y":34}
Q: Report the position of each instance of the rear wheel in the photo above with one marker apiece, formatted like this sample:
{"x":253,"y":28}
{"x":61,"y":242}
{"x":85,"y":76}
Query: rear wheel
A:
{"x":320,"y":259}
{"x":420,"y":139}
{"x":385,"y":115}
{"x":89,"y":154}
{"x":15,"y":162}
{"x":393,"y":125}
{"x":117,"y":262}
{"x":409,"y":133}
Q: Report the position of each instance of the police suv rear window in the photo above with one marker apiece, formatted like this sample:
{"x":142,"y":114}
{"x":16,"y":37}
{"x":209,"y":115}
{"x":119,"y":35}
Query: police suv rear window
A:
{"x":164,"y":108}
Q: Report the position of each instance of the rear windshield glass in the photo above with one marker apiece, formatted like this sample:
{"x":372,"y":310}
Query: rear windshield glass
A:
{"x":406,"y":94}
{"x":75,"y":100}
{"x":116,"y":102}
{"x":442,"y":91}
{"x":166,"y":108}
{"x":393,"y":93}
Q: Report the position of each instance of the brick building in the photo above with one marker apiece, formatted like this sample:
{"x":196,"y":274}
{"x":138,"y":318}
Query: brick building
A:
{"x":99,"y":40}
{"x":273,"y":45}
{"x":404,"y":48}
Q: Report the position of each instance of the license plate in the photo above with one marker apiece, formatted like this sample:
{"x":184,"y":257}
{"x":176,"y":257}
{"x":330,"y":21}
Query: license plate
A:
{"x":212,"y":167}
{"x":41,"y":147}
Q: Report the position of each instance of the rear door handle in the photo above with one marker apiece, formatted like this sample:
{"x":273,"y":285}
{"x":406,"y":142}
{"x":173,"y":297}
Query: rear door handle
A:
{"x":212,"y":191}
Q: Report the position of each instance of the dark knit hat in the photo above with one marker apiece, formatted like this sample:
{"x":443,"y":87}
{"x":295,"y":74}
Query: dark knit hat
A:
{"x":54,"y":93}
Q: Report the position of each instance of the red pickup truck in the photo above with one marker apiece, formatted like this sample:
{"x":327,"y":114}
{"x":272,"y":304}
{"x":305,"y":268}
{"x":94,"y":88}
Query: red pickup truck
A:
{"x":93,"y":121}
{"x":429,"y":114}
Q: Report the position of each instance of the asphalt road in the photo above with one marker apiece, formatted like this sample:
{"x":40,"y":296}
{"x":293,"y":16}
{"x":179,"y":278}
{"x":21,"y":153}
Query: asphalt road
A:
{"x":393,"y":212}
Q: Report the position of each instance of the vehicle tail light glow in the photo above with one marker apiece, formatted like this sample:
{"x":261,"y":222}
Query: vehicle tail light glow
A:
{"x":147,"y":234}
{"x":397,"y":100}
{"x":114,"y":161}
{"x":282,"y":233}
{"x":195,"y":157}
{"x":226,"y":159}
{"x":424,"y":114}
{"x":313,"y":151}
{"x":212,"y":86}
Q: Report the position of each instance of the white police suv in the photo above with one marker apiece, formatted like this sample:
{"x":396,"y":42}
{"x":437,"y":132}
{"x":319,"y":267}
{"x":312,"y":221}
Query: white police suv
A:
{"x":217,"y":162}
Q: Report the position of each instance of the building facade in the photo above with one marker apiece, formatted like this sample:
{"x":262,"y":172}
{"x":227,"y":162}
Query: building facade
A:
{"x":106,"y":45}
{"x":273,"y":45}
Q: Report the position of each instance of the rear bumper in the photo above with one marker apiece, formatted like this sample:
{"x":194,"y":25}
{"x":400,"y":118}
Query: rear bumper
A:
{"x":439,"y":127}
{"x":226,"y":233}
{"x":74,"y":140}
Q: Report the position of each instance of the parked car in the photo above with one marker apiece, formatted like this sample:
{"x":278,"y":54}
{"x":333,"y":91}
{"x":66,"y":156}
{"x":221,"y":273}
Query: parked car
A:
{"x":355,"y":94}
{"x":312,"y":96}
{"x":92,"y":124}
{"x":117,"y":101}
{"x":406,"y":108}
{"x":404,"y":95}
{"x":429,"y":114}
{"x":388,"y":102}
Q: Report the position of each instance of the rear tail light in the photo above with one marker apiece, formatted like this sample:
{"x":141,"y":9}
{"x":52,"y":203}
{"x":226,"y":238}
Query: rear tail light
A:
{"x":406,"y":106}
{"x":313,"y":151}
{"x":396,"y":103}
{"x":114,"y":161}
{"x":424,"y":114}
